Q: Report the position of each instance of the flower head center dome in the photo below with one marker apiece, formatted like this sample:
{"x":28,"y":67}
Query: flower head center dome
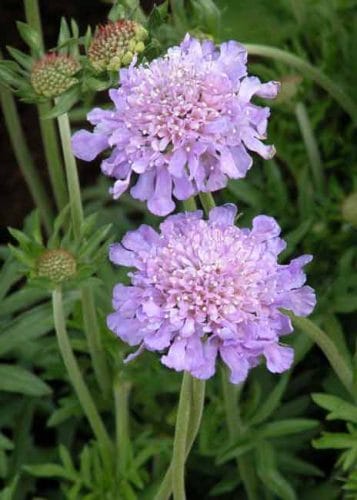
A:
{"x":173,"y":100}
{"x":209,"y":274}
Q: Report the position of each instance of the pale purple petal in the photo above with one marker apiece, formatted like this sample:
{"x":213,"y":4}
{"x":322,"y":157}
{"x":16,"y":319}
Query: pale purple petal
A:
{"x":87,"y":146}
{"x":279,"y":358}
{"x":189,"y":114}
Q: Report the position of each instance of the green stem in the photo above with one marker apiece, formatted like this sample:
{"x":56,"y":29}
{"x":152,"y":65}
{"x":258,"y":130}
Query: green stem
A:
{"x":71,"y":174}
{"x":47,"y":126}
{"x":207,"y":201}
{"x":309,"y":71}
{"x":24,"y":158}
{"x":246,"y":471}
{"x":92,"y":330}
{"x":310,"y":145}
{"x":33,"y":17}
{"x":53,"y":156}
{"x":180,"y":439}
{"x":77,"y":380}
{"x":198,"y":396}
{"x":189,"y":205}
{"x":91,"y":326}
{"x":326,"y":345}
{"x":121,"y":399}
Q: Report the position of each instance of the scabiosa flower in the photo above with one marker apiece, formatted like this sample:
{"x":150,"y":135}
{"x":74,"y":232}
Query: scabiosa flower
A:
{"x":184,"y":123}
{"x":53,"y":74}
{"x":115,"y":44}
{"x":206,"y":288}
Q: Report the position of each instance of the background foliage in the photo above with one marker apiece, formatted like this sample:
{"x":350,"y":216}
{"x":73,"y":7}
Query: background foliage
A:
{"x":297,"y":432}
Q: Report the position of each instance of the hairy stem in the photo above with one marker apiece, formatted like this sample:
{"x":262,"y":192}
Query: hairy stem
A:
{"x":311,"y":146}
{"x":90,"y":320}
{"x":326,"y":345}
{"x":24,"y":158}
{"x":207,"y":201}
{"x":180,"y":439}
{"x":198,"y":396}
{"x":121,"y":399}
{"x":246,"y":471}
{"x":47,"y":126}
{"x":309,"y":71}
{"x":71,"y":174}
{"x":77,"y":380}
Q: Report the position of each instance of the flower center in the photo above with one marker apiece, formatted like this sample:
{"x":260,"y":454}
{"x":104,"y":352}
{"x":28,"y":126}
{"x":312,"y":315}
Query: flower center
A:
{"x":207,"y":277}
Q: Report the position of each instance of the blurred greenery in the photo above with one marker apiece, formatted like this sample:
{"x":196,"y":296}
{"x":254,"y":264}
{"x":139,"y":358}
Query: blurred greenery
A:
{"x":297,"y":431}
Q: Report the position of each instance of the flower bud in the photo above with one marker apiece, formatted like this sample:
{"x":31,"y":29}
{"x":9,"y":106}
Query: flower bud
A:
{"x":57,"y":265}
{"x":53,"y":74}
{"x":349,"y":209}
{"x":115,"y":44}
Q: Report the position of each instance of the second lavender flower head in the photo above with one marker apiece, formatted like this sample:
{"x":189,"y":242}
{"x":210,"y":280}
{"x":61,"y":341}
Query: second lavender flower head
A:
{"x":182,"y":124}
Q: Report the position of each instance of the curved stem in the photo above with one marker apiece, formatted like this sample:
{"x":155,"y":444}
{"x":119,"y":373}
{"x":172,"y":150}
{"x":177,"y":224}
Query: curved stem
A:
{"x":310,"y":145}
{"x":53,"y":156}
{"x":207,"y":201}
{"x":189,"y":205}
{"x":77,"y":380}
{"x":121,"y":399}
{"x":198,"y":396}
{"x":180,"y":439}
{"x":92,"y":330}
{"x":47,"y":127}
{"x":309,"y":71}
{"x":246,"y":472}
{"x":326,"y":345}
{"x":24,"y":158}
{"x":71,"y":174}
{"x":90,"y":320}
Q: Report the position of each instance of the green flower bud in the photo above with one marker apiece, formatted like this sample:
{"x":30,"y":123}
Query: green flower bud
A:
{"x":114,"y":44}
{"x":349,"y":209}
{"x":57,"y":265}
{"x":53,"y":74}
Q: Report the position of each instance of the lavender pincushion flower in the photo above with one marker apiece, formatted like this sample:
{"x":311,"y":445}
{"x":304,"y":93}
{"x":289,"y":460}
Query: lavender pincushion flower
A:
{"x":202,"y":288}
{"x":183,"y":123}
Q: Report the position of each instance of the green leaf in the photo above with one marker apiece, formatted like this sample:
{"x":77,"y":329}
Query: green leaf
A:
{"x":285,"y":427}
{"x":295,"y":465}
{"x":31,"y":325}
{"x":23,"y":59}
{"x":269,"y":474}
{"x":30,"y":36}
{"x":23,"y":299}
{"x":64,"y":103}
{"x":8,"y":493}
{"x":294,"y":237}
{"x":334,"y":440}
{"x":207,"y":14}
{"x":338,"y":408}
{"x":238,"y":449}
{"x":47,"y":470}
{"x":63,"y":36}
{"x":272,"y":401}
{"x":5,"y":443}
{"x":67,"y":461}
{"x":16,"y":379}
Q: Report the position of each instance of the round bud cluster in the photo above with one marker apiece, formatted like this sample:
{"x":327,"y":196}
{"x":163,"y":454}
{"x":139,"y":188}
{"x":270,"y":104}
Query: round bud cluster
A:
{"x":53,"y":74}
{"x":115,"y":44}
{"x":57,"y":265}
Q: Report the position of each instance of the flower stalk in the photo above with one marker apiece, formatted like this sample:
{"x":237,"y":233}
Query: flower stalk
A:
{"x":180,"y":439}
{"x":47,"y":126}
{"x":24,"y":158}
{"x":91,"y":326}
{"x":77,"y":380}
